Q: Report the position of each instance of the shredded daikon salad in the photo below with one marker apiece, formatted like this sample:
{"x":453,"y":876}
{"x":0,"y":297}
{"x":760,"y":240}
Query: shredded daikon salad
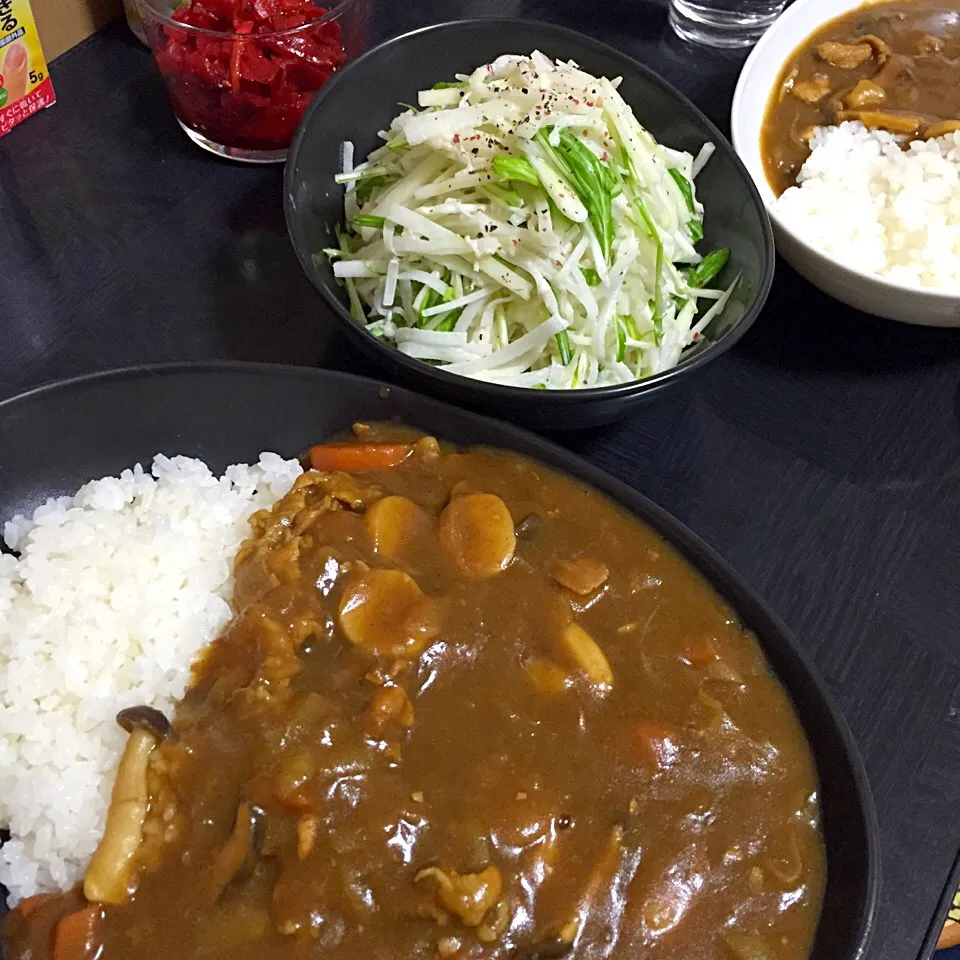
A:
{"x":520,"y":226}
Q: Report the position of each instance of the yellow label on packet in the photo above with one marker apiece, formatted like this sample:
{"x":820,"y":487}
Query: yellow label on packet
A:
{"x":25,"y":85}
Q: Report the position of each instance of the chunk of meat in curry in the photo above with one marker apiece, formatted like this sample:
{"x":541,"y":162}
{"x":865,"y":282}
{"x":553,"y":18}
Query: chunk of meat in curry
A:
{"x":437,"y":728}
{"x":891,"y":66}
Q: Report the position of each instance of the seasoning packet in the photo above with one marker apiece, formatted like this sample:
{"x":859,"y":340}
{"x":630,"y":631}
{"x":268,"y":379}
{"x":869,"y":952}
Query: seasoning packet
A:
{"x":25,"y":85}
{"x":950,"y":937}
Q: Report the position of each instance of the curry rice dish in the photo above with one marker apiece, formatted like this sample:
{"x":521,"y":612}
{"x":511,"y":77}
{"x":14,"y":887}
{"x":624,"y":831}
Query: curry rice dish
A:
{"x":467,"y":707}
{"x":889,"y":66}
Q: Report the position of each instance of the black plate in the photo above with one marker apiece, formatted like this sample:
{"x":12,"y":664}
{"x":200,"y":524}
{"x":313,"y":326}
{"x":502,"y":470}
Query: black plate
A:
{"x":362,"y":99}
{"x":55,"y":438}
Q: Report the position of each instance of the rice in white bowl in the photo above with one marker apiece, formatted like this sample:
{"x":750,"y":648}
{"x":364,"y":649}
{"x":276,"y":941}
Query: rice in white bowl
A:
{"x":877,"y":207}
{"x":113,"y":593}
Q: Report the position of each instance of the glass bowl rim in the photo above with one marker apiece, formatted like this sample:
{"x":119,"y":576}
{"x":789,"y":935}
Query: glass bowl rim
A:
{"x":151,"y":9}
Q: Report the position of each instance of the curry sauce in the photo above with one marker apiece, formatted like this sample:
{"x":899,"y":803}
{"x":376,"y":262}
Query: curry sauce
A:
{"x":467,"y":707}
{"x":891,"y":66}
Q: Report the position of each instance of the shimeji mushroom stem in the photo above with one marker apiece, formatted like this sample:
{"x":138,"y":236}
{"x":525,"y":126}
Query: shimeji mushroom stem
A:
{"x":109,"y":874}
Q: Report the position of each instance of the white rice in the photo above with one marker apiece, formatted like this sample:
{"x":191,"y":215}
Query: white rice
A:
{"x":113,"y":593}
{"x":879,"y":208}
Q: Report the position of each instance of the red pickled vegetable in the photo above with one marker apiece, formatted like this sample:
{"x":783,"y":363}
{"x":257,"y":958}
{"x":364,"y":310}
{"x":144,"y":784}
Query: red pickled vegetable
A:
{"x":248,"y":89}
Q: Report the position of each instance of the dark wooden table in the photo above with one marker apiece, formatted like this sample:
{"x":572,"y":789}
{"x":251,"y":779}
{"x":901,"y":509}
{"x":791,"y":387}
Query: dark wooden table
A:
{"x":821,"y":456}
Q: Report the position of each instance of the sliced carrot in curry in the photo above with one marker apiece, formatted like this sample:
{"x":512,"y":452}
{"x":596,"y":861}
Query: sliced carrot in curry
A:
{"x":26,"y":907}
{"x":658,"y":744}
{"x":358,"y":457}
{"x":699,"y":651}
{"x":77,"y":935}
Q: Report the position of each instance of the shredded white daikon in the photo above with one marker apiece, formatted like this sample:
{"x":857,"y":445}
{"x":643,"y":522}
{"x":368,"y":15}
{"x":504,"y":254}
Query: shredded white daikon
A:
{"x":522,"y":227}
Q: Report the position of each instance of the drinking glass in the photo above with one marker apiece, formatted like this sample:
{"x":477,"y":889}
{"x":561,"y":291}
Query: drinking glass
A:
{"x":723,"y":23}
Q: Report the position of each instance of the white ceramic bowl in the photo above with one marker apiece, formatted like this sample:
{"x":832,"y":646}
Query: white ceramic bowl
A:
{"x":864,"y":291}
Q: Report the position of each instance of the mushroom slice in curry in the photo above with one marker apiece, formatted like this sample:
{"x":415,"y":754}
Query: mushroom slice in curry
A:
{"x":111,"y":870}
{"x":426,"y":733}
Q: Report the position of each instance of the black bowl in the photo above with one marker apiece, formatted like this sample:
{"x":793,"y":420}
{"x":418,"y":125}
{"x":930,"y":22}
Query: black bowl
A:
{"x":227,"y":413}
{"x":363,"y":99}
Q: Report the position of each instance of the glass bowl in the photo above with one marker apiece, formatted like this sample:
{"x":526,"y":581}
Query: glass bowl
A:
{"x":240,"y":92}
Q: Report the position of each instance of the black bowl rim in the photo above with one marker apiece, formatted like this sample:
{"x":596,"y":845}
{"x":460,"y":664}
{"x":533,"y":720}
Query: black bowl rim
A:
{"x":702,"y":557}
{"x":503,"y":392}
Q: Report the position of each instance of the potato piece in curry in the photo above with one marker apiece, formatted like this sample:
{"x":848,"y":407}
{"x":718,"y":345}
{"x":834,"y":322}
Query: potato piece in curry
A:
{"x":440,"y":728}
{"x":892,"y":66}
